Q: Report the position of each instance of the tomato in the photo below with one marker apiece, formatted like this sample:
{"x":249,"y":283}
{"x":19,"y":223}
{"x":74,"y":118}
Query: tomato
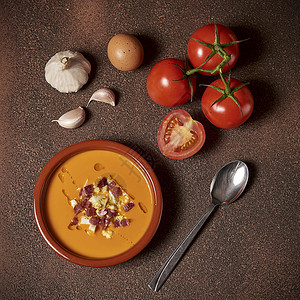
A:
{"x":179,"y":136}
{"x":164,"y":85}
{"x":227,"y":113}
{"x":198,"y":53}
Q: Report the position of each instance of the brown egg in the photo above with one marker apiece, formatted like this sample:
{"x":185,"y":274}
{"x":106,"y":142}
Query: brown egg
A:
{"x":125,"y":52}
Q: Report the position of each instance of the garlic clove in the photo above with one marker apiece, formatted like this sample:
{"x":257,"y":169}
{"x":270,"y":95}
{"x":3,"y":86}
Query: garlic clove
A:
{"x":72,"y":119}
{"x":103,"y":95}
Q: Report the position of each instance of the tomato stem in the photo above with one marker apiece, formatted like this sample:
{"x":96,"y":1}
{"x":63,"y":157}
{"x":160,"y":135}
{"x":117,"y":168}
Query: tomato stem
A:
{"x":227,"y":89}
{"x":220,"y":66}
{"x":185,"y":77}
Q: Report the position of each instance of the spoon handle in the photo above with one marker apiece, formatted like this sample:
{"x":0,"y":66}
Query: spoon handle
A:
{"x":165,"y":271}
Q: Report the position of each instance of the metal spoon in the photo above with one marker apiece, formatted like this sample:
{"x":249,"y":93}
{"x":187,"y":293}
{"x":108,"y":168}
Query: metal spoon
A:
{"x":226,"y":186}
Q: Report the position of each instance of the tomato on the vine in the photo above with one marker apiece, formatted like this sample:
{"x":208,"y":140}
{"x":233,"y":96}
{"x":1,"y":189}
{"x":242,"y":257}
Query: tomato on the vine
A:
{"x":227,"y":105}
{"x":179,"y":136}
{"x":168,"y":85}
{"x":213,"y":46}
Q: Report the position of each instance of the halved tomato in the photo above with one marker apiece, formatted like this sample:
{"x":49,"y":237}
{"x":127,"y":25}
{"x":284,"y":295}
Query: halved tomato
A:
{"x":179,"y":136}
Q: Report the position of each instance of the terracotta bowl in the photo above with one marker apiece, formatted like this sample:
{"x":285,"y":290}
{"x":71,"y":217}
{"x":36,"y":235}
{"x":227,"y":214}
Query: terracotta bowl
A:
{"x":42,"y":184}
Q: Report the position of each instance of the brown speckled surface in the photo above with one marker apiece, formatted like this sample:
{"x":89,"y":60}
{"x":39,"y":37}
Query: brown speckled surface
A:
{"x":249,"y":250}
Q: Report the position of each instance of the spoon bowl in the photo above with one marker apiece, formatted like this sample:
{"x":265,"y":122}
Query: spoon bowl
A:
{"x":229,"y":182}
{"x":226,"y":186}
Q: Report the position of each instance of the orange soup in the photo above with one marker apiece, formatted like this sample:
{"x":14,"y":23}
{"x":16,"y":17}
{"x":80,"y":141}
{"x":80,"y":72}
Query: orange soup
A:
{"x":65,"y":184}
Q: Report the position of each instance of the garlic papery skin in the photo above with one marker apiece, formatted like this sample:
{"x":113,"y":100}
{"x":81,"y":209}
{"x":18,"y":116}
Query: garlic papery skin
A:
{"x":67,"y":71}
{"x":72,"y":119}
{"x":103,"y":95}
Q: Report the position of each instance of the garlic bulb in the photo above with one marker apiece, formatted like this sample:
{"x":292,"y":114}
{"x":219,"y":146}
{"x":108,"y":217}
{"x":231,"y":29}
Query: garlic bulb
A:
{"x":67,"y":71}
{"x":103,"y":95}
{"x":72,"y":119}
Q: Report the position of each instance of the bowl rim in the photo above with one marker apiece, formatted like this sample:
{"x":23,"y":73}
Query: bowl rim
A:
{"x":84,"y":146}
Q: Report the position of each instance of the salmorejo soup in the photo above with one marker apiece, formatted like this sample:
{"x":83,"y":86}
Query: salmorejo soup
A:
{"x":98,"y":204}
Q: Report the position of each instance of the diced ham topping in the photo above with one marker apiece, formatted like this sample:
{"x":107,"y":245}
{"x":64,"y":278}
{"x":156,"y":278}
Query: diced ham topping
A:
{"x":74,"y":221}
{"x":77,"y":209}
{"x":90,"y":211}
{"x":117,"y":223}
{"x":94,"y":220}
{"x":87,"y":197}
{"x":88,"y":189}
{"x":102,"y":182}
{"x":125,"y":222}
{"x":116,"y":191}
{"x":128,"y":206}
{"x":111,"y":185}
{"x":85,"y":203}
{"x":101,"y":221}
{"x":112,"y":213}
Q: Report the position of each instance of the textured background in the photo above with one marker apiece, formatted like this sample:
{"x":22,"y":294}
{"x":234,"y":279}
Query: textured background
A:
{"x":249,"y":250}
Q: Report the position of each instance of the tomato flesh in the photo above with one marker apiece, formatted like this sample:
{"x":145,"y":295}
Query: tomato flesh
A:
{"x":179,"y":136}
{"x":197,"y":53}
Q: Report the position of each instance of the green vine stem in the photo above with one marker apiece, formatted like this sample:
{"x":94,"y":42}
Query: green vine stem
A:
{"x":185,"y":76}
